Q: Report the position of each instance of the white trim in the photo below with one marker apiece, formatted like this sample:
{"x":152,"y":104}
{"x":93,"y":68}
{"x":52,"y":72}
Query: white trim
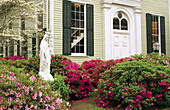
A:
{"x":47,"y":15}
{"x":85,"y":35}
{"x":85,"y":41}
{"x":52,"y":24}
{"x":132,"y":9}
{"x":155,"y":14}
{"x":80,"y":1}
{"x":159,"y":35}
{"x":78,"y":54}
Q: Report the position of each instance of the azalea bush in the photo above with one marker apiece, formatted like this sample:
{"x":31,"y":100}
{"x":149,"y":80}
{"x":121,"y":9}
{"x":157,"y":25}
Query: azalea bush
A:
{"x":134,"y":85}
{"x":153,"y":58}
{"x":78,"y":80}
{"x":15,"y":57}
{"x":27,"y":91}
{"x":95,"y":68}
{"x":58,"y":63}
{"x":59,"y":85}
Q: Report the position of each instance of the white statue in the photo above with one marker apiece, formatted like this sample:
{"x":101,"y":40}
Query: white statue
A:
{"x":45,"y":58}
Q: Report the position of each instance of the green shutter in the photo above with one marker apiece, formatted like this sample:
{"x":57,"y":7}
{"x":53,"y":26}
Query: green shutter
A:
{"x":6,"y":49}
{"x":66,"y":27}
{"x":149,"y":32}
{"x":162,"y":25}
{"x":1,"y":51}
{"x":18,"y":48}
{"x":33,"y":47}
{"x":90,"y":29}
{"x":25,"y":49}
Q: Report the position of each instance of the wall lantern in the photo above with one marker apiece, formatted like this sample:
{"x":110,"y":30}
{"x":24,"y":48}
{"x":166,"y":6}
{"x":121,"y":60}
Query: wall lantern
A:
{"x":156,"y":46}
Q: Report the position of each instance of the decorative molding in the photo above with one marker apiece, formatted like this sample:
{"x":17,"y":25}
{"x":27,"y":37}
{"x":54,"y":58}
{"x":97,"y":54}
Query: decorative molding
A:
{"x":129,"y":3}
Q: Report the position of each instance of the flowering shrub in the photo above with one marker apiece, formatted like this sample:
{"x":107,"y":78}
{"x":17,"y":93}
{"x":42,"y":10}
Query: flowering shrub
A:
{"x":14,"y":57}
{"x":153,"y":58}
{"x":95,"y":68}
{"x":58,"y":63}
{"x":33,"y":64}
{"x":134,"y":85}
{"x":59,"y":85}
{"x":27,"y":91}
{"x":78,"y":80}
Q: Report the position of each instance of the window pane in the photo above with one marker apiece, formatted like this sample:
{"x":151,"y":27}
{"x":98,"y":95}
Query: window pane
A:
{"x":82,"y":16}
{"x":77,"y":15}
{"x":73,"y":23}
{"x":82,"y":24}
{"x":115,"y":23}
{"x":124,"y":24}
{"x":82,"y":8}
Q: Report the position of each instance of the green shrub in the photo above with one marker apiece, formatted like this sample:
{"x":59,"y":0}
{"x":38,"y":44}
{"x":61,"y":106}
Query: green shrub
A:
{"x":59,"y":85}
{"x":26,"y":91}
{"x":134,"y":85}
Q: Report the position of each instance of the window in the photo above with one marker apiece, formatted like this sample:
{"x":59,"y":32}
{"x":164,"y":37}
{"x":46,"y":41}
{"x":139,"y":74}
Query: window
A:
{"x":155,"y":26}
{"x":120,"y":22}
{"x":155,"y":33}
{"x":115,"y":23}
{"x":78,"y":29}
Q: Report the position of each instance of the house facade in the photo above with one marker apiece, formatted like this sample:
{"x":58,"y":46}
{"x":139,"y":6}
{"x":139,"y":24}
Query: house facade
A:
{"x":106,"y":29}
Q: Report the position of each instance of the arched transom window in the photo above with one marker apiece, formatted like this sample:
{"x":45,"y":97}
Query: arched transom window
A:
{"x":120,"y":22}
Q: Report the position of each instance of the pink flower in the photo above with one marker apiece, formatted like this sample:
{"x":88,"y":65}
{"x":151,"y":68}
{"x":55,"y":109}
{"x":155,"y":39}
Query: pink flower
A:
{"x":35,"y":107}
{"x":17,"y":100}
{"x":152,"y":83}
{"x":147,"y":75}
{"x":122,"y":97}
{"x":136,"y":83}
{"x":6,"y":93}
{"x":152,"y":103}
{"x":40,"y":93}
{"x":35,"y":96}
{"x":32,"y":78}
{"x":138,"y":97}
{"x":149,"y":94}
{"x":166,"y":79}
{"x":118,"y":106}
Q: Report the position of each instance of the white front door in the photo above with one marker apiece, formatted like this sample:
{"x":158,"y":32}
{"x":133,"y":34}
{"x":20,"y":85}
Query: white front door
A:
{"x":120,"y":45}
{"x":120,"y":36}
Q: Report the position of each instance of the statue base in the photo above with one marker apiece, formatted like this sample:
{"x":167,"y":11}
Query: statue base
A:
{"x":46,"y":76}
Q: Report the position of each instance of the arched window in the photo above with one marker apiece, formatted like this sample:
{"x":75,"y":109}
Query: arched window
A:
{"x":116,"y":23}
{"x":120,"y":22}
{"x":124,"y":24}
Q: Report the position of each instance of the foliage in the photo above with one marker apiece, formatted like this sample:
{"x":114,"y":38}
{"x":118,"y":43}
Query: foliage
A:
{"x":14,"y":57}
{"x":58,"y":63}
{"x":59,"y":85}
{"x":95,"y":68}
{"x":134,"y":85}
{"x":78,"y":80}
{"x":26,"y":91}
{"x":153,"y":58}
{"x":12,"y":12}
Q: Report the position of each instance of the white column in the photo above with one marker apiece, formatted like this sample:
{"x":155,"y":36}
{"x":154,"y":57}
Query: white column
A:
{"x":107,"y":32}
{"x":138,"y":31}
{"x":52,"y":26}
{"x":47,"y":15}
